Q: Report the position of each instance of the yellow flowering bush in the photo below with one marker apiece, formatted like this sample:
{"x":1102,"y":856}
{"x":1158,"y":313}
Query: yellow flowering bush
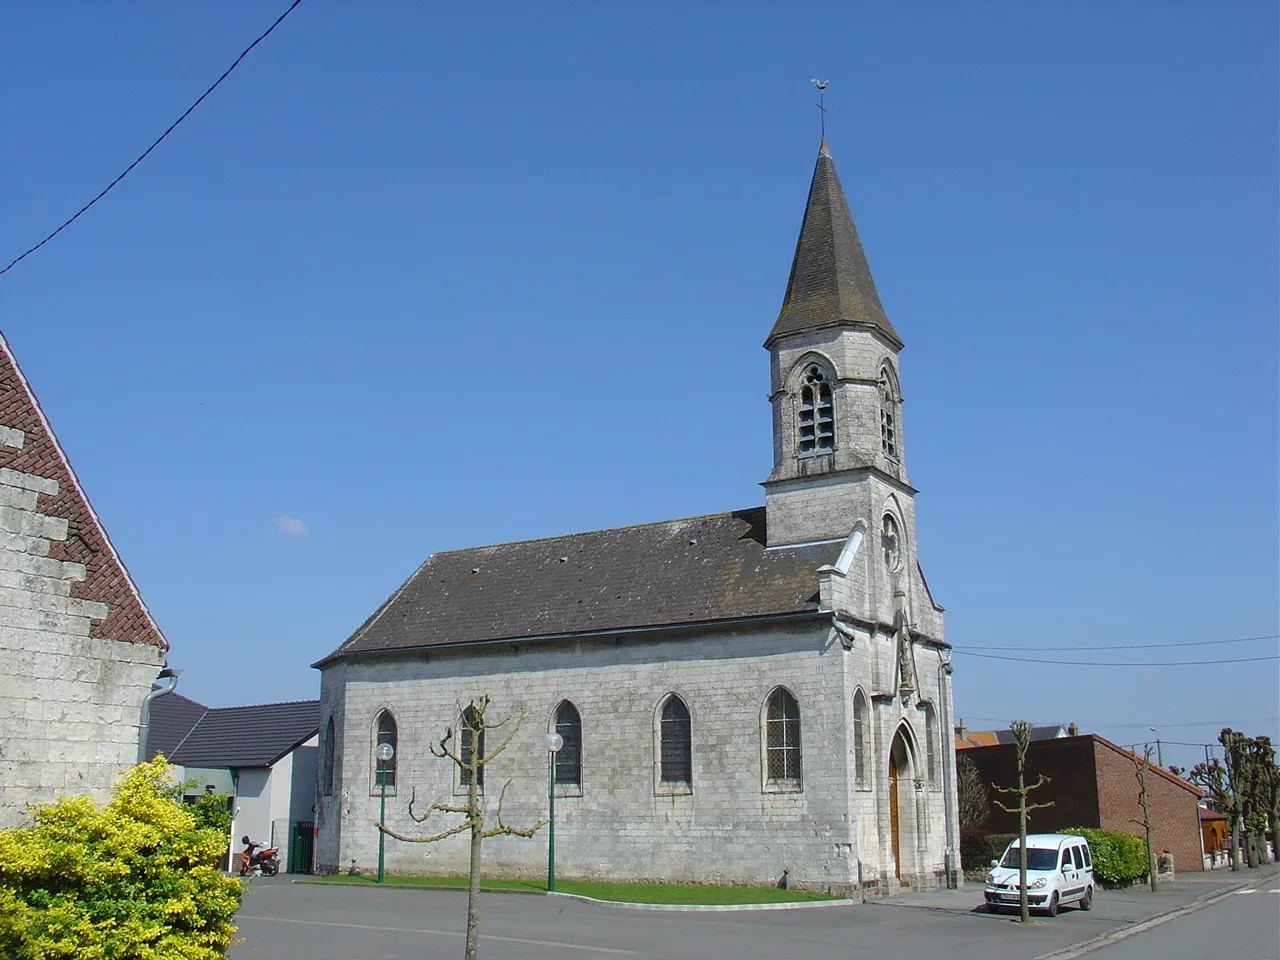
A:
{"x":135,"y":879}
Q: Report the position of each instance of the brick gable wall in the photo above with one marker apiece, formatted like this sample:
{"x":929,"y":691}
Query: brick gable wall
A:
{"x":1174,"y":817}
{"x":106,"y":579}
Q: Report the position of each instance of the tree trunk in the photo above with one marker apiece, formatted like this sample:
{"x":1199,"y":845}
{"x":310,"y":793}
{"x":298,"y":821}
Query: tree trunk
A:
{"x":473,"y":888}
{"x":1235,"y":843}
{"x":1023,"y":908}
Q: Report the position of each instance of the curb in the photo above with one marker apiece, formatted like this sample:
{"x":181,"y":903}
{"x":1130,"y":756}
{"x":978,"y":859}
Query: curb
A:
{"x":1114,"y":936}
{"x":626,"y":905}
{"x":706,"y":907}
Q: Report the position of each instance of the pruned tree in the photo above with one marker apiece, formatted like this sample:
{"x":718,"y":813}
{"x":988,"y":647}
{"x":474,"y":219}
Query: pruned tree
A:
{"x":1211,"y":777}
{"x":1235,"y":752}
{"x":1141,"y":764}
{"x":973,"y":800}
{"x":1260,"y":796}
{"x":470,"y":756}
{"x":1021,"y":730}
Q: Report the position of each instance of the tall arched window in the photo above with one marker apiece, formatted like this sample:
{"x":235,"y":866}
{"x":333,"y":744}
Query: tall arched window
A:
{"x":472,"y":747}
{"x":931,"y":743}
{"x":326,"y":768}
{"x":782,"y":740}
{"x":861,"y":729}
{"x":817,"y":413}
{"x":568,"y":762}
{"x":889,"y":444}
{"x":384,"y":774}
{"x":676,"y":755}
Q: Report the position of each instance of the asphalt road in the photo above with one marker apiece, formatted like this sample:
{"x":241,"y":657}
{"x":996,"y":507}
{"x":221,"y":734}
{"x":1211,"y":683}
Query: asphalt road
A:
{"x":285,"y":921}
{"x":1243,"y":926}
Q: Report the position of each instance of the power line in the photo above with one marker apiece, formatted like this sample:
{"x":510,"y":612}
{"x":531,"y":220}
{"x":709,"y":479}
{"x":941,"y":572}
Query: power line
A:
{"x":1158,"y":726}
{"x":226,"y":73}
{"x":1141,"y":646}
{"x":1117,"y":663}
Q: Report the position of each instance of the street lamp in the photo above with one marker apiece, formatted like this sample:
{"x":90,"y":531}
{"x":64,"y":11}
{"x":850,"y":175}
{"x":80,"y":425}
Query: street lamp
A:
{"x":1159,"y":751}
{"x":384,"y":752}
{"x":553,"y":742}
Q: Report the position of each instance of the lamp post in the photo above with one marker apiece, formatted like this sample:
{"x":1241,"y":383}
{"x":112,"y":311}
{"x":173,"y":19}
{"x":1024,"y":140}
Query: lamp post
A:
{"x":384,"y":752}
{"x":553,"y":742}
{"x":1159,"y":751}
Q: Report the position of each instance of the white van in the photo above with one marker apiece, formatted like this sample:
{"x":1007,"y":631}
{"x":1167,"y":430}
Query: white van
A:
{"x":1059,"y":871}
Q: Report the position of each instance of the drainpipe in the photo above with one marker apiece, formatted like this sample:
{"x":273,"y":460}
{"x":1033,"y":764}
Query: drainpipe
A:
{"x":949,"y":750}
{"x":170,"y":674}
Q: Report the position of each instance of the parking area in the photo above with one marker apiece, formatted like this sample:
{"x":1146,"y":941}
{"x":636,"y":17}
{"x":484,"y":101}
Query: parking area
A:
{"x":283,"y":920}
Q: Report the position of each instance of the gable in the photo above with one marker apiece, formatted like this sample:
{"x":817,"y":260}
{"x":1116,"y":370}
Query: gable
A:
{"x":32,"y":461}
{"x":697,"y":570}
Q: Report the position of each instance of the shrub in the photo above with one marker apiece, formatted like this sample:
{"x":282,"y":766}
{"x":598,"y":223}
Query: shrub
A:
{"x":977,"y":850}
{"x":1119,"y":858}
{"x":132,"y":880}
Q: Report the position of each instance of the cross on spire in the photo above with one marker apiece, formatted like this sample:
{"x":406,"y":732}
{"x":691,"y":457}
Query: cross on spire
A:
{"x":822,"y":109}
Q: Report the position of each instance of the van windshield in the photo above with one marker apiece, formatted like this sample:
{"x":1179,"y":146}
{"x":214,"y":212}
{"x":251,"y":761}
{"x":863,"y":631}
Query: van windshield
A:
{"x":1037,"y":858}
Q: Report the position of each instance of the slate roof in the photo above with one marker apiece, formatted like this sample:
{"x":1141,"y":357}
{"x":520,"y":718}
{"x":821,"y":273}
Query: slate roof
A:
{"x":696,"y":570}
{"x":830,"y":283}
{"x":253,"y":736}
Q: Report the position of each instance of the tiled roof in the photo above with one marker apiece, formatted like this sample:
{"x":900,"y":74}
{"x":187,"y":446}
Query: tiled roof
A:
{"x":253,"y":736}
{"x":989,"y":738}
{"x":696,"y":570}
{"x":830,"y":282}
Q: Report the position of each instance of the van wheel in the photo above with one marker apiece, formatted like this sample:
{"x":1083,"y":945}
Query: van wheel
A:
{"x":1052,"y":909}
{"x":1086,"y":902}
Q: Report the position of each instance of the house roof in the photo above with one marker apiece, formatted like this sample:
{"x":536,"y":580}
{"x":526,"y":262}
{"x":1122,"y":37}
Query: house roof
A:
{"x":695,"y":570}
{"x":253,"y":736}
{"x":989,"y":738}
{"x":29,"y":449}
{"x":830,"y":283}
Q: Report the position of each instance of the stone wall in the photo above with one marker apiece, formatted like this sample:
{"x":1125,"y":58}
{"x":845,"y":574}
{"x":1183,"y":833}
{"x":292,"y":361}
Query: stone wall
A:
{"x":732,"y":828}
{"x":78,"y":649}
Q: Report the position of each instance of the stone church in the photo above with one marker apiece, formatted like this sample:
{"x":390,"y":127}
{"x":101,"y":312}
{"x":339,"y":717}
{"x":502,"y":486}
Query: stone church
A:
{"x":740,"y":694}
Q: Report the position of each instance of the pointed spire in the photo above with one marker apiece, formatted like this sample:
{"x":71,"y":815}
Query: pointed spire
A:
{"x":830,"y":283}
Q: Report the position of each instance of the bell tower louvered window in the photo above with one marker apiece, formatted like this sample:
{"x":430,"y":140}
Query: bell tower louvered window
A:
{"x":817,"y":414}
{"x":889,"y":443}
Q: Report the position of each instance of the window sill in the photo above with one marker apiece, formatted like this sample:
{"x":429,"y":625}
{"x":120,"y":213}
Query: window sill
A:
{"x":783,"y":786}
{"x":666,"y":789}
{"x":389,"y":792}
{"x":568,"y":790}
{"x":460,"y":790}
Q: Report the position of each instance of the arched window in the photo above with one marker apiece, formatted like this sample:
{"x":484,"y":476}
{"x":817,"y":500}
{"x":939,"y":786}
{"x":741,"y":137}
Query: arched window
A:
{"x":676,"y":756}
{"x":889,"y":444}
{"x":472,"y":748}
{"x":326,"y":768}
{"x":384,"y":774}
{"x":568,"y":762}
{"x":817,"y":413}
{"x":861,"y":728}
{"x":931,"y":743}
{"x":782,"y":739}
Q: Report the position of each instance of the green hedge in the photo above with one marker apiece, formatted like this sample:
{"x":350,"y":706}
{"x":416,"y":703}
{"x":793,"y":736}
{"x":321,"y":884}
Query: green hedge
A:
{"x":1119,"y":858}
{"x":977,"y":850}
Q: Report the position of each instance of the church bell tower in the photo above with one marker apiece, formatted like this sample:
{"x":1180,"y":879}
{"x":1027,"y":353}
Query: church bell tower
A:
{"x":839,"y":460}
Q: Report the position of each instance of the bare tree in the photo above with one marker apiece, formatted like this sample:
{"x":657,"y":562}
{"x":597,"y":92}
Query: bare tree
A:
{"x":1141,"y":764}
{"x":974,"y":801}
{"x":1211,"y":777}
{"x":1021,"y":730}
{"x":470,"y":757}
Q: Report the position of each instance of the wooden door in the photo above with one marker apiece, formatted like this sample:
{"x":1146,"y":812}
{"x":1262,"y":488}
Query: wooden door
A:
{"x":893,"y":815}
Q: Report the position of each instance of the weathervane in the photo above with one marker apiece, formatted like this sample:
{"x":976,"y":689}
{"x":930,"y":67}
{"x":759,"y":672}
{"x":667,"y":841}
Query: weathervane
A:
{"x":822,"y":110}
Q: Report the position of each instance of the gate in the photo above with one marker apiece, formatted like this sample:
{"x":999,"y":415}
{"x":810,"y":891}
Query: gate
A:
{"x":301,"y":846}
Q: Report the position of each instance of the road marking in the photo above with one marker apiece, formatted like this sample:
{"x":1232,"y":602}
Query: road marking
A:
{"x":1246,"y":891}
{"x":451,"y":933}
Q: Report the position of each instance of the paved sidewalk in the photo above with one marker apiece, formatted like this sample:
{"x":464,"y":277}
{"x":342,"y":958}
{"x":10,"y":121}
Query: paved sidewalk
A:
{"x":1127,"y":906}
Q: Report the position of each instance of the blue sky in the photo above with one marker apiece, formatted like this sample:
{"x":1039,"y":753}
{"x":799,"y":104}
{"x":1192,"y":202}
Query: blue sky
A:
{"x":419,"y":277}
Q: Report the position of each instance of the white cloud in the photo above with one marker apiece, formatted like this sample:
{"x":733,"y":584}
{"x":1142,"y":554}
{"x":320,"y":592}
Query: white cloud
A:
{"x":291,"y":526}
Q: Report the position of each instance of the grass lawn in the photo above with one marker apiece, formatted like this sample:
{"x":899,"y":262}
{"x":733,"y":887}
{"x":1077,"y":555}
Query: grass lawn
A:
{"x":624,"y":892}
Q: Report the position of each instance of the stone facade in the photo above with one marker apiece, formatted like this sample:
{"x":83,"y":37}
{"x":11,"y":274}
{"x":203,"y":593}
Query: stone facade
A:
{"x":823,"y":596}
{"x":731,"y":828}
{"x":78,"y":650}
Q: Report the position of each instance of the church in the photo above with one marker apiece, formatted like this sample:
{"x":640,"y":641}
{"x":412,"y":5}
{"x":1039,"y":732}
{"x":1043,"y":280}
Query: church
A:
{"x":741,"y":695}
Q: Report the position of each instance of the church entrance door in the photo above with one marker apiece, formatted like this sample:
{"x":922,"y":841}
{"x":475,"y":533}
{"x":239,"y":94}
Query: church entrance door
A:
{"x":893,"y":813}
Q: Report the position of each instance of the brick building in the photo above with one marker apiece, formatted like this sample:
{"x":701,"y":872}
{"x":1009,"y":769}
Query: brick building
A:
{"x":78,"y":648}
{"x":1092,"y":784}
{"x":740,"y":694}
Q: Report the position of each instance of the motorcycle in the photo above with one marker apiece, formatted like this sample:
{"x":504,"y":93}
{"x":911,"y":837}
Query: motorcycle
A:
{"x":265,"y":862}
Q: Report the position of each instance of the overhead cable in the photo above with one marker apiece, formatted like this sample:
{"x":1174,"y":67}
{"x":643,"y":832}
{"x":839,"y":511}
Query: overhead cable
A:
{"x":127,"y":170}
